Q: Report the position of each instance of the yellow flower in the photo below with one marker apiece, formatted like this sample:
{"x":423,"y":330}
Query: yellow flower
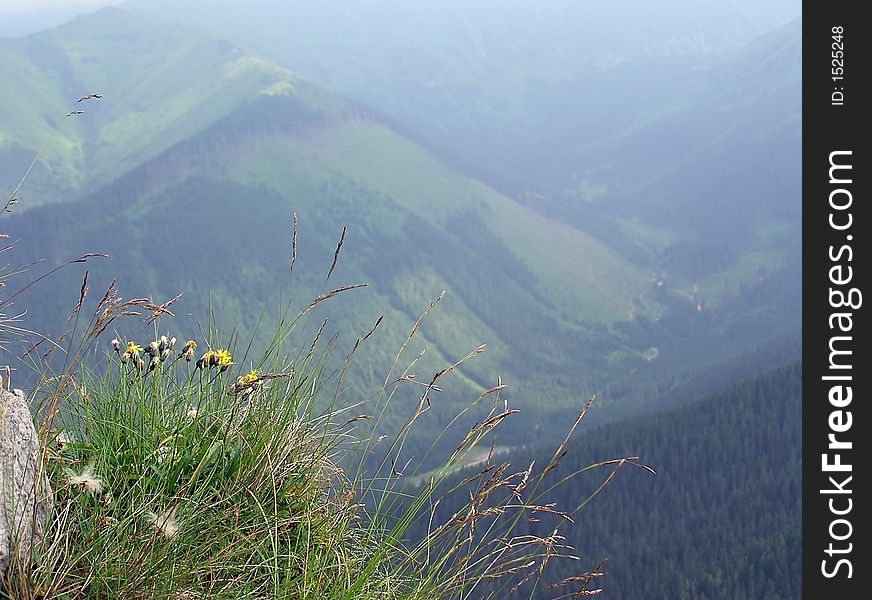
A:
{"x":207,"y":361}
{"x":215,"y":358}
{"x":188,"y":350}
{"x":246,"y":383}
{"x":133,"y":349}
{"x":223,"y":358}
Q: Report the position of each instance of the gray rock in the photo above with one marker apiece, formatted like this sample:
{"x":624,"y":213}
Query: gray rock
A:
{"x":24,"y":505}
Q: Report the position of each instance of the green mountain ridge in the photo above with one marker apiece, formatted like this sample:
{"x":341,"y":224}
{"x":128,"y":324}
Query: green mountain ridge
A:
{"x":160,"y":86}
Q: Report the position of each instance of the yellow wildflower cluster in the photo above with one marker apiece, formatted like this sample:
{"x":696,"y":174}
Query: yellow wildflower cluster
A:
{"x":159,"y":350}
{"x":132,"y":353}
{"x":216,"y":358}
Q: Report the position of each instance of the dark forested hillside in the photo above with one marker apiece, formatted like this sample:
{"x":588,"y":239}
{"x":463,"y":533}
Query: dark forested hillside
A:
{"x":720,"y":519}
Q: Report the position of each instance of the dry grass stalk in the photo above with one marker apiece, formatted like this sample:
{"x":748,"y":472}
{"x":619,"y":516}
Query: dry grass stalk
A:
{"x":163,"y":309}
{"x":294,"y":241}
{"x":336,"y":253}
{"x":82,"y":294}
{"x":321,"y":298}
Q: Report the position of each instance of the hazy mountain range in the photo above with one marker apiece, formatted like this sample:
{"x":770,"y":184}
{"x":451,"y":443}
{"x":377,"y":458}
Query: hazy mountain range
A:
{"x":610,"y":211}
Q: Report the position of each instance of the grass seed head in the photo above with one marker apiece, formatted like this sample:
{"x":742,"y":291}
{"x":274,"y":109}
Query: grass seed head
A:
{"x":165,"y":524}
{"x":86,"y":480}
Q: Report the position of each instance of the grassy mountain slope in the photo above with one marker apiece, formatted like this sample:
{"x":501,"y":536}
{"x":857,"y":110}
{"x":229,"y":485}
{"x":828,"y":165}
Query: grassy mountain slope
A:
{"x":673,"y":138}
{"x":161,"y":85}
{"x":551,"y":112}
{"x":211,"y":216}
{"x":577,"y":275}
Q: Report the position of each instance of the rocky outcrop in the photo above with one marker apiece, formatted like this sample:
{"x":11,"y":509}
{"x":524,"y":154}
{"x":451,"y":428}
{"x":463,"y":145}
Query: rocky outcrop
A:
{"x":25,"y":494}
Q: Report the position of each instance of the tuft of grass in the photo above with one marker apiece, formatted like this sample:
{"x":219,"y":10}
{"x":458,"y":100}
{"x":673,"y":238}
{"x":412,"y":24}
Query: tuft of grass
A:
{"x":185,"y":477}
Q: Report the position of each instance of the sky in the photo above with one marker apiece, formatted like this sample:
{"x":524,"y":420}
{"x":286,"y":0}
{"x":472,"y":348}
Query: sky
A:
{"x":18,"y":7}
{"x":22,"y":17}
